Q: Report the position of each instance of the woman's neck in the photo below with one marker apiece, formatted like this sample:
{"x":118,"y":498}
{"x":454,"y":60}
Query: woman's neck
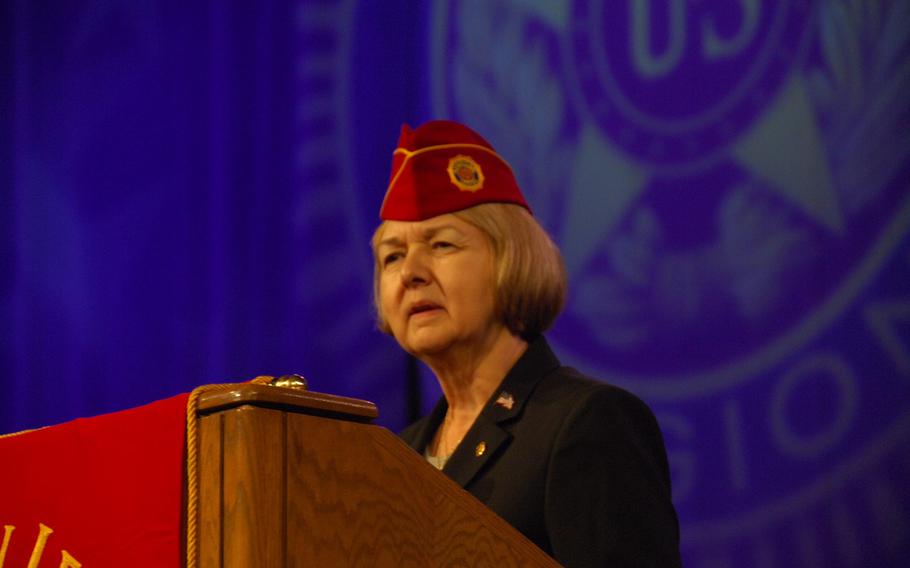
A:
{"x":468,"y":377}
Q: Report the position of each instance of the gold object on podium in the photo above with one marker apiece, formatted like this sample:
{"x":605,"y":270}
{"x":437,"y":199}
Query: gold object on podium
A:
{"x":290,"y":381}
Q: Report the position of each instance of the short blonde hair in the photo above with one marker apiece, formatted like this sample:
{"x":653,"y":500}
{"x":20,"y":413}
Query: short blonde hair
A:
{"x":530,"y":284}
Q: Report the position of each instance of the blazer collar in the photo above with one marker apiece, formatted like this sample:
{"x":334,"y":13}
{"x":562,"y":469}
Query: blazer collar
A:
{"x":487,"y":436}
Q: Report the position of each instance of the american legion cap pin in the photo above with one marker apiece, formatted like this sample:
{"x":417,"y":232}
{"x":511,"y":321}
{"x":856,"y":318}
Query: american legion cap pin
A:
{"x":465,"y":173}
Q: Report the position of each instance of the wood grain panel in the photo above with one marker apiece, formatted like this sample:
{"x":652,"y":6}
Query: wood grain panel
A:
{"x":210,"y":481}
{"x":254,"y":487}
{"x":359,"y":497}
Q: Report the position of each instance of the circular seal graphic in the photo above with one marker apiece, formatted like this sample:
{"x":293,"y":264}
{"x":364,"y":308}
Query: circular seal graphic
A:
{"x":673,"y":82}
{"x":728,"y":182}
{"x":465,"y":173}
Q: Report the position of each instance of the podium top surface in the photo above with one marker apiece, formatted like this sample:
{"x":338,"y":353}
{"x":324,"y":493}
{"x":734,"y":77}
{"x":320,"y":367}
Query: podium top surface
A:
{"x":288,"y":399}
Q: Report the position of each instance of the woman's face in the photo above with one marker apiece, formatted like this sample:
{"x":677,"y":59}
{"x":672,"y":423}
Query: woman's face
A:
{"x":436,"y":286}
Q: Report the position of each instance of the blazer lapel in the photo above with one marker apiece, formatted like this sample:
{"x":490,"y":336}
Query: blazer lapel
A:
{"x":481,"y":443}
{"x":426,"y":427}
{"x":487,"y":438}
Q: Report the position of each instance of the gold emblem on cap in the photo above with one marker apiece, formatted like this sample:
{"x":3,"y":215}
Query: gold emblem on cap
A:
{"x":480,"y":449}
{"x":465,"y":173}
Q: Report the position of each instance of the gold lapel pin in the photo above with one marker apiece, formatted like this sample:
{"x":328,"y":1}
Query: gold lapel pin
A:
{"x":480,"y":449}
{"x":505,"y":400}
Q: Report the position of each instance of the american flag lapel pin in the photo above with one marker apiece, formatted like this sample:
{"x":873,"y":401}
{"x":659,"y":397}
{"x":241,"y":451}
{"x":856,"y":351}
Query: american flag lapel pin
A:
{"x":505,"y":400}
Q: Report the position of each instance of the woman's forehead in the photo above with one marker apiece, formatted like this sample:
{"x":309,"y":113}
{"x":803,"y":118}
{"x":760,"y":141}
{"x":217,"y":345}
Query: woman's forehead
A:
{"x":401,"y":231}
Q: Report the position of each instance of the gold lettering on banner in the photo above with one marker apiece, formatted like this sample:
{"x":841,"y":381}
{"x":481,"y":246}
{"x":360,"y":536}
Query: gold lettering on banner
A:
{"x":7,"y":535}
{"x":67,"y":561}
{"x":44,"y":532}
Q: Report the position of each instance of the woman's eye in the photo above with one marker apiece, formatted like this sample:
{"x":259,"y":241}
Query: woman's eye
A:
{"x":442,"y":245}
{"x":390,"y":258}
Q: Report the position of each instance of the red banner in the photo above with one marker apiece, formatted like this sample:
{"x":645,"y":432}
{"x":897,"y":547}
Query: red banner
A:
{"x":95,"y":492}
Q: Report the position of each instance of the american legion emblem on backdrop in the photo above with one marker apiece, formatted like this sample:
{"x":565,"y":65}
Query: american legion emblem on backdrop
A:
{"x":728,"y":183}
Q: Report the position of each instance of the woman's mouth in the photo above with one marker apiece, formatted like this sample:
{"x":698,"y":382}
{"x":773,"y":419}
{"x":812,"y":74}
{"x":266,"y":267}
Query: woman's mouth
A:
{"x":422,"y":308}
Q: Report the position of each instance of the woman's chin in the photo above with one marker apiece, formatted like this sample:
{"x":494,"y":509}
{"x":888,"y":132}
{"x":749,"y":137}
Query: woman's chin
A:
{"x":428,"y":344}
{"x":422,"y":349}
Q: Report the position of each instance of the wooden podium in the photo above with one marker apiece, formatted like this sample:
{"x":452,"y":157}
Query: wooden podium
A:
{"x":290,"y":477}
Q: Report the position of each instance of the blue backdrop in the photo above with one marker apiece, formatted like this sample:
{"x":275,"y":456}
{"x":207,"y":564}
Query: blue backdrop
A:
{"x":189,"y":190}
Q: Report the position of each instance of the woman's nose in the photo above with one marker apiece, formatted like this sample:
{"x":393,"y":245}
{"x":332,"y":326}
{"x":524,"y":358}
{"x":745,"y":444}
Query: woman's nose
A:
{"x":414,"y":269}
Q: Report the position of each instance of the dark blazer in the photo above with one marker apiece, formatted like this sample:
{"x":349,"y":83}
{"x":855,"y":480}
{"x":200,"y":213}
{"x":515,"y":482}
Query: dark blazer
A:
{"x":576,"y":465}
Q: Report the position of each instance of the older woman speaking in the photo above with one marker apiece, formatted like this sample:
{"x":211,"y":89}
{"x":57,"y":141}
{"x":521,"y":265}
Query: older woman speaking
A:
{"x":467,"y":281}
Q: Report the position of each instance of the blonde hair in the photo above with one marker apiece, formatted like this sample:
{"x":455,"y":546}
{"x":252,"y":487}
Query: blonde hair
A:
{"x":530,"y":284}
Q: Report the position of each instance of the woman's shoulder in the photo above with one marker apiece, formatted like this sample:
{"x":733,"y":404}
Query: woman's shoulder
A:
{"x":583,"y":410}
{"x":570,"y":387}
{"x":607,"y":471}
{"x":561,"y":385}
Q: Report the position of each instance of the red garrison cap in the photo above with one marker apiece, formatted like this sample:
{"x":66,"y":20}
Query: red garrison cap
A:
{"x":444,"y":166}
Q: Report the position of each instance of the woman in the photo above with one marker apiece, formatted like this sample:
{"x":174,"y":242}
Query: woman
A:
{"x":467,"y":282}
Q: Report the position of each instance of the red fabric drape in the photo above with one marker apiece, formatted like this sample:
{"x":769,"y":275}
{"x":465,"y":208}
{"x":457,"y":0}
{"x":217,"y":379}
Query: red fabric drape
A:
{"x":109,"y":487}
